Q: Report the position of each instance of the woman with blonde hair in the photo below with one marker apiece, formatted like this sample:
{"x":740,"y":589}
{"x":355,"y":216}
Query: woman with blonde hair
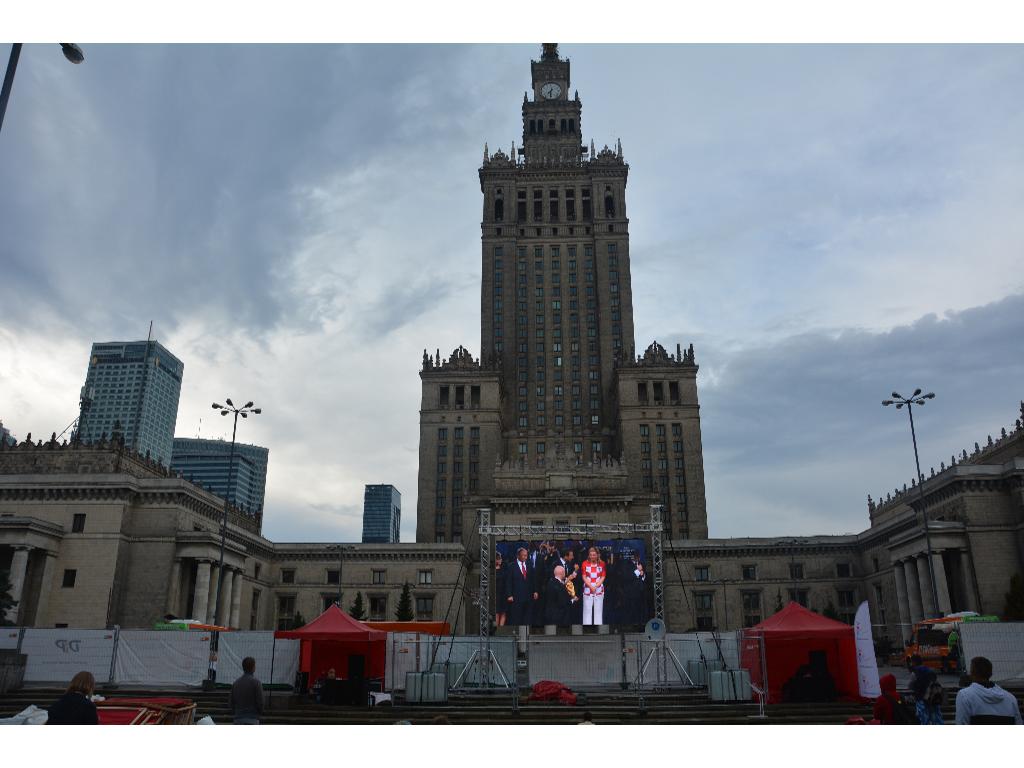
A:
{"x":75,"y":707}
{"x":594,"y":573}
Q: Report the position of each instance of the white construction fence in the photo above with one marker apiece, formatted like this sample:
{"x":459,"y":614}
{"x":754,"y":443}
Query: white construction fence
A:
{"x":148,"y":657}
{"x":1002,"y":643}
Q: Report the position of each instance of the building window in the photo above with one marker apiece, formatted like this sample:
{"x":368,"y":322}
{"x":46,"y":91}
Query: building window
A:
{"x":798,"y":596}
{"x":378,"y":608}
{"x":846,"y":598}
{"x":442,"y":434}
{"x":332,"y":577}
{"x":326,"y":601}
{"x":425,"y":577}
{"x":378,"y":577}
{"x":78,"y":523}
{"x":703,"y":603}
{"x":749,"y":572}
{"x":702,"y":573}
{"x":751,"y":608}
{"x":796,"y":570}
{"x":285,"y":611}
{"x":843,"y":570}
{"x":424,"y":608}
{"x":69,"y":578}
{"x":288,"y":576}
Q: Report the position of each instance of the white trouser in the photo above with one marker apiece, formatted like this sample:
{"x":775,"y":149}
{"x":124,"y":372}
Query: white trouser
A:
{"x":593,"y":609}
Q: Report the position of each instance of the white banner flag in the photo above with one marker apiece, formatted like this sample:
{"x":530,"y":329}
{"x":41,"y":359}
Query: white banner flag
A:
{"x":867,"y":666}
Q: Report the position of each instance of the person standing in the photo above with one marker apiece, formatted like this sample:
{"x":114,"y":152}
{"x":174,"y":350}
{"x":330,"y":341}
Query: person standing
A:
{"x":557,"y":600}
{"x":927,"y":692}
{"x":593,"y":588}
{"x":246,"y":698}
{"x":75,"y":707}
{"x":500,"y":591}
{"x":519,"y":582}
{"x":984,"y":702}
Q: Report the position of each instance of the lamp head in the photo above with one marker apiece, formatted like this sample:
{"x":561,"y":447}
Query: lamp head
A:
{"x":257,"y":410}
{"x":895,"y":396}
{"x":223,"y":413}
{"x":217,"y":407}
{"x":72,"y":53}
{"x":887,"y":402}
{"x":228,"y":401}
{"x":916,"y":393}
{"x":898,"y":406}
{"x":249,"y":404}
{"x":929,"y":396}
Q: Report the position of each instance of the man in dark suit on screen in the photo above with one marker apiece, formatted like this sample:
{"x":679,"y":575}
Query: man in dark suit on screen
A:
{"x":557,"y":601}
{"x":521,"y":589}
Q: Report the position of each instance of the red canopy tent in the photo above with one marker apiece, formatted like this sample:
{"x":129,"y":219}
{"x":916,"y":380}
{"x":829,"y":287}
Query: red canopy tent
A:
{"x":336,"y":640}
{"x":789,"y":637}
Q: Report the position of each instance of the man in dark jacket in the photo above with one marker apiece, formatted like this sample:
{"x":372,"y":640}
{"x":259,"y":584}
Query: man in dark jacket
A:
{"x":557,"y":602}
{"x":246,"y":699}
{"x":522,"y":592}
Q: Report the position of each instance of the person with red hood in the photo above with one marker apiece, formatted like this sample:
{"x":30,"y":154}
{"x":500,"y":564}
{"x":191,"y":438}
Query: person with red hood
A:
{"x":889,"y":710}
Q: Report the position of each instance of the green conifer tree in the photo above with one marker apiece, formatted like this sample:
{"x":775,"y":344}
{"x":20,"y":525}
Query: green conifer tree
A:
{"x":404,"y":610}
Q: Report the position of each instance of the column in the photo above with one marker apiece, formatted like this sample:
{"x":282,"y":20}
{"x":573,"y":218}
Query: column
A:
{"x":901,"y":600}
{"x":45,"y":585}
{"x":19,"y":570}
{"x":202,"y":597}
{"x":941,"y":586}
{"x":926,"y":586}
{"x":225,"y":596}
{"x":236,"y":600}
{"x":174,"y":588}
{"x":967,"y":571}
{"x":913,"y":591}
{"x":211,"y":599}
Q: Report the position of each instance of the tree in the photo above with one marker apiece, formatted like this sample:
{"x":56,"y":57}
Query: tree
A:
{"x":6,"y":601}
{"x":404,"y":610}
{"x":1013,"y":610}
{"x":297,"y":620}
{"x":356,"y":610}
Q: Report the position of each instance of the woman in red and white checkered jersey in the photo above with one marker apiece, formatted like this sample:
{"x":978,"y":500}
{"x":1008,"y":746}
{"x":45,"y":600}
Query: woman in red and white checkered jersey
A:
{"x":594,"y":572}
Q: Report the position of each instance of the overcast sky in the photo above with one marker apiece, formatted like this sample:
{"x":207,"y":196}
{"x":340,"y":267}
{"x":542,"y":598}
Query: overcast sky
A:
{"x":825,"y":224}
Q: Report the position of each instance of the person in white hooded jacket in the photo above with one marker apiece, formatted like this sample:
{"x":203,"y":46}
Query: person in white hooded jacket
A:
{"x":984,"y":698}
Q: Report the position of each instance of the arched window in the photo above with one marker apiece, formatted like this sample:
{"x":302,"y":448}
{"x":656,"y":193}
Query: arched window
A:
{"x":499,"y":206}
{"x":551,"y":125}
{"x":609,"y":203}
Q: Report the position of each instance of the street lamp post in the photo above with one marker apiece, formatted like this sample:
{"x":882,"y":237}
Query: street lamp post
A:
{"x":918,"y":399}
{"x":341,"y":554}
{"x":71,"y":52}
{"x":244,"y":412}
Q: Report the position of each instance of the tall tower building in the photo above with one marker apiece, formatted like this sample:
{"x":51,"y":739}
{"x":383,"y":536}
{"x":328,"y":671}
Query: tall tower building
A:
{"x":135,"y":384}
{"x":558,"y":420}
{"x":208,"y":463}
{"x":382,"y":514}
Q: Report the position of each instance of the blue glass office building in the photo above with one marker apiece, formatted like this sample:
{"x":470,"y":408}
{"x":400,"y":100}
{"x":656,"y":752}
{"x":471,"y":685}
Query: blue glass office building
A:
{"x":207,"y":463}
{"x":136,"y":383}
{"x":382,"y":514}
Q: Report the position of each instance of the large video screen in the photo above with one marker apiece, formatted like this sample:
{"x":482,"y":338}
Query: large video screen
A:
{"x":572,"y":581}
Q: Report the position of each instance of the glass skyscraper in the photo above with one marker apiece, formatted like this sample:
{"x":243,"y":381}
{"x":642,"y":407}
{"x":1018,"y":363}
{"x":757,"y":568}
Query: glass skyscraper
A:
{"x":382,"y":514}
{"x":206,"y":463}
{"x":135,"y":383}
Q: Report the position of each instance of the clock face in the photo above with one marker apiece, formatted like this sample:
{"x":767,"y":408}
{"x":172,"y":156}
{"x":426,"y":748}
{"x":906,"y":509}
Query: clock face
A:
{"x":551,"y":90}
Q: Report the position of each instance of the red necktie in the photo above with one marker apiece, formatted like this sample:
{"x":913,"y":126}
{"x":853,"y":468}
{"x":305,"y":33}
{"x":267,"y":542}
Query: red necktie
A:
{"x":522,"y":567}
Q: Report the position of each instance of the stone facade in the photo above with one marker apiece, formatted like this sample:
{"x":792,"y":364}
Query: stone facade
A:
{"x":93,"y":536}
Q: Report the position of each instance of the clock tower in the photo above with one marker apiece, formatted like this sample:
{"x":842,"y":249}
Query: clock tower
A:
{"x":559,"y":420}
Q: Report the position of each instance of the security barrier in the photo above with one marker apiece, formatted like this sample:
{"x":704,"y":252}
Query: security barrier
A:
{"x":162,"y":658}
{"x":235,"y":646}
{"x":1001,"y":643}
{"x":412,"y":652}
{"x":56,"y":655}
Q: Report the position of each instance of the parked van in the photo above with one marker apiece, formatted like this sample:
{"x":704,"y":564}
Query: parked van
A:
{"x":930,"y":640}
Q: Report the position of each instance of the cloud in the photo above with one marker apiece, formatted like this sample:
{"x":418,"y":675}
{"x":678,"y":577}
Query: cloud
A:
{"x":301,"y":221}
